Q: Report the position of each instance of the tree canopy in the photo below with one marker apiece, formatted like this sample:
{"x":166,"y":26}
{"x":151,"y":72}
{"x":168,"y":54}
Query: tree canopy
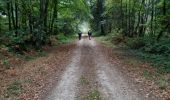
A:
{"x":36,"y":20}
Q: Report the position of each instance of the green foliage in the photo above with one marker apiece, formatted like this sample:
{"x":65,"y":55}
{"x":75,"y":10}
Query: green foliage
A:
{"x":17,"y":42}
{"x":84,"y":81}
{"x":144,"y":27}
{"x":94,"y":95}
{"x":32,"y":23}
{"x":38,"y":54}
{"x":149,"y":49}
{"x":62,"y":39}
{"x":161,"y":47}
{"x":29,"y":58}
{"x":135,"y":43}
{"x":147,"y":74}
{"x":161,"y":62}
{"x":162,"y":82}
{"x":14,"y":89}
{"x":6,"y":63}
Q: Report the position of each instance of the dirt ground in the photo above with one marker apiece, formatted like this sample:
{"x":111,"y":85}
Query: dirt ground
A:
{"x":97,"y":73}
{"x":84,"y":70}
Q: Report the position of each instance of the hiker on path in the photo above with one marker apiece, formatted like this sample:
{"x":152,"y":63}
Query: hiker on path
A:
{"x":89,"y":34}
{"x":80,"y":35}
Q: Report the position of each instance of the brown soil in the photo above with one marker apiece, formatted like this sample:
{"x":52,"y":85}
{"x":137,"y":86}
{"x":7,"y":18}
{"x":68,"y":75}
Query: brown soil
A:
{"x":74,"y":71}
{"x":36,"y":76}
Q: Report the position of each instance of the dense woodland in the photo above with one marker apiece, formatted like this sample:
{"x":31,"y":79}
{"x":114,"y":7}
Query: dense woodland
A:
{"x":34,"y":22}
{"x":143,"y":25}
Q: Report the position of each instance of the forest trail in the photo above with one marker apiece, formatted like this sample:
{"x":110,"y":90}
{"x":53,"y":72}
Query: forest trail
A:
{"x":90,"y":70}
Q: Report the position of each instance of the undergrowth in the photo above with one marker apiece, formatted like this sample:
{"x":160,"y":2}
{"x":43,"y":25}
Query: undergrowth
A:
{"x":14,"y":89}
{"x":62,"y":39}
{"x":145,"y":48}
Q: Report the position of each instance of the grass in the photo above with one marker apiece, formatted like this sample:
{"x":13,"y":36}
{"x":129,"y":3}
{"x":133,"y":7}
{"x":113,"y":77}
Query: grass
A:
{"x":147,"y":74}
{"x":37,"y":55}
{"x":106,"y":41}
{"x":84,"y":81}
{"x":162,"y":63}
{"x":163,"y":82}
{"x":14,"y":89}
{"x":28,"y":81}
{"x":62,"y":39}
{"x":29,"y":58}
{"x":94,"y":95}
{"x":134,"y":62}
{"x":6,"y":63}
{"x":2,"y":98}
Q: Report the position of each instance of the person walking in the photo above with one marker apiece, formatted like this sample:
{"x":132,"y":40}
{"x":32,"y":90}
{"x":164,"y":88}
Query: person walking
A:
{"x":89,"y":34}
{"x":79,"y":35}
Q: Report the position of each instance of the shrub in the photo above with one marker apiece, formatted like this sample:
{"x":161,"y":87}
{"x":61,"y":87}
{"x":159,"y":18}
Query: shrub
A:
{"x":63,"y":39}
{"x":17,"y":43}
{"x":135,"y":43}
{"x":161,"y":47}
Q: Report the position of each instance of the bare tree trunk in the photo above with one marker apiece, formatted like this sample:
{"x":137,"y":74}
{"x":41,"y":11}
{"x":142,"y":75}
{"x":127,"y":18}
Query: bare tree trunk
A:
{"x":54,"y":15}
{"x":141,"y":28}
{"x":9,"y":14}
{"x":126,"y":19}
{"x":46,"y":15}
{"x":12,"y":15}
{"x":129,"y":23}
{"x":122,"y":17}
{"x":16,"y":16}
{"x":152,"y":16}
{"x":164,"y":7}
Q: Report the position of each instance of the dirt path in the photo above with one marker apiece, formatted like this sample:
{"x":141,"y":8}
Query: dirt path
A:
{"x":90,"y":71}
{"x":66,"y":88}
{"x":113,"y":86}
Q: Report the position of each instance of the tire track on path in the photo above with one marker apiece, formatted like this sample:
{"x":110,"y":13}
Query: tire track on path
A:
{"x":66,"y":88}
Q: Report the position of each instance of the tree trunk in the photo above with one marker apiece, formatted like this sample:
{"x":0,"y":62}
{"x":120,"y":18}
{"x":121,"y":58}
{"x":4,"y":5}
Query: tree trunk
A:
{"x":152,"y":16}
{"x":46,"y":15}
{"x":164,"y":7}
{"x":12,"y":15}
{"x":55,"y":14}
{"x":16,"y":16}
{"x":9,"y":14}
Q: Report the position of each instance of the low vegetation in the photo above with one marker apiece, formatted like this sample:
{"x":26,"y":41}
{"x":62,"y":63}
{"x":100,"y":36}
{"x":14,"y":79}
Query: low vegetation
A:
{"x":141,"y":26}
{"x":14,"y":89}
{"x":94,"y":95}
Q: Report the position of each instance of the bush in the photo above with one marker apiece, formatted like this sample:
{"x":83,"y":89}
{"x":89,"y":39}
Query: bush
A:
{"x":63,"y":39}
{"x":149,"y":45}
{"x":135,"y":43}
{"x":149,"y":49}
{"x":161,"y":47}
{"x":16,"y":43}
